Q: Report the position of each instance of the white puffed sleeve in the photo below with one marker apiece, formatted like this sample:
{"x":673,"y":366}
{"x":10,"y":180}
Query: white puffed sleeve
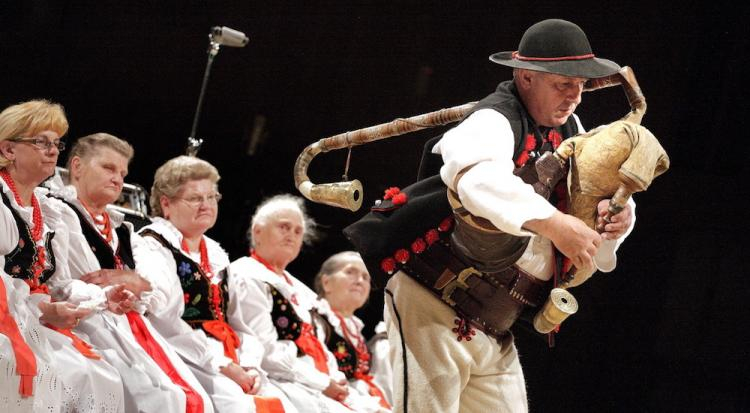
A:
{"x":192,"y":344}
{"x":489,"y":189}
{"x":249,"y":313}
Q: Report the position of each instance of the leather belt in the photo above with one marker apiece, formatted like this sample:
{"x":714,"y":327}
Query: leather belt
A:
{"x":490,"y":301}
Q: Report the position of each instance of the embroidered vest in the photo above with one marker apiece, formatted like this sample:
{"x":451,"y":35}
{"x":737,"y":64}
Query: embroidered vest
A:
{"x":101,"y":248}
{"x":288,"y":324}
{"x":19,"y":262}
{"x":200,"y":299}
{"x":344,"y":351}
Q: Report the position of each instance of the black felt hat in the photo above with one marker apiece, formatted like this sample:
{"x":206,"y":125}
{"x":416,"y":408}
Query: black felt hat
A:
{"x":557,"y":46}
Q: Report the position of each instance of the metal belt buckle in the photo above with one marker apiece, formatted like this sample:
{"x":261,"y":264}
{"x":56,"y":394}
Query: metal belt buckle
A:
{"x":459,"y":282}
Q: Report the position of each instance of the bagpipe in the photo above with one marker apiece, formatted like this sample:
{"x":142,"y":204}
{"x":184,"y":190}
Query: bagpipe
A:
{"x":610,"y":162}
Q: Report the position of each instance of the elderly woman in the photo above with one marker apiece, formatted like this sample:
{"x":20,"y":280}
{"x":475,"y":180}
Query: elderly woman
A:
{"x":34,"y":249}
{"x":343,"y":285}
{"x":267,"y":301}
{"x":105,"y":251}
{"x":184,"y":199}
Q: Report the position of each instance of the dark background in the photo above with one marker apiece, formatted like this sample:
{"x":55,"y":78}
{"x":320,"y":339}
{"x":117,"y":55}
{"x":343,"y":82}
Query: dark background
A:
{"x":666,"y":331}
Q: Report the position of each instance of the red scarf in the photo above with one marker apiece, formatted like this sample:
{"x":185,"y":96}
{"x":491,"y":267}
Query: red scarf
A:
{"x":25,"y":359}
{"x":217,"y":328}
{"x":194,"y":402}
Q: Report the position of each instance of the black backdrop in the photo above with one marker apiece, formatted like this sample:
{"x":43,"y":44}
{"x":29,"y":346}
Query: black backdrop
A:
{"x":664,"y":332}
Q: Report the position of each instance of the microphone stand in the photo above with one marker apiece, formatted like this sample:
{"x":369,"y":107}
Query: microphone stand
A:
{"x":194,"y":143}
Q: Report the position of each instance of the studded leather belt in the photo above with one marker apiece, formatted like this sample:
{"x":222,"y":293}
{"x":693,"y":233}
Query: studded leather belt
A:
{"x":489,"y":301}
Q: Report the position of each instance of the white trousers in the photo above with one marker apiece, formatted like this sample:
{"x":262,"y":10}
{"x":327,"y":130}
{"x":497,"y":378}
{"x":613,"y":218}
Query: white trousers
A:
{"x":433,"y":371}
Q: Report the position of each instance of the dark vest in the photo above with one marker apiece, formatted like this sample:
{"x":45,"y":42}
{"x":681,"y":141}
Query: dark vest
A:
{"x":288,"y":324}
{"x":344,"y":351}
{"x":19,"y":262}
{"x":198,"y":294}
{"x":390,"y":227}
{"x":101,"y":248}
{"x":505,"y":100}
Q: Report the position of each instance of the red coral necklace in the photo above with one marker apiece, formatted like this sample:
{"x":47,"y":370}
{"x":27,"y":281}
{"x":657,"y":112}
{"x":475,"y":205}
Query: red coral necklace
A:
{"x":36,"y":233}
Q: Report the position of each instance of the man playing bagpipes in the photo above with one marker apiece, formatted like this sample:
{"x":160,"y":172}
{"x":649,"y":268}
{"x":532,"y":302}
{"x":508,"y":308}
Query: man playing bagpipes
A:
{"x":462,"y":268}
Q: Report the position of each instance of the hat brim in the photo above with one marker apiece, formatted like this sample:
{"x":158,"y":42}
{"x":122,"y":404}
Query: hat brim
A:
{"x":589,"y":68}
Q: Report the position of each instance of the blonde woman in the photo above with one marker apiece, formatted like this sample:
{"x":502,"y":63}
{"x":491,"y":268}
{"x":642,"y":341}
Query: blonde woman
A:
{"x":34,"y":249}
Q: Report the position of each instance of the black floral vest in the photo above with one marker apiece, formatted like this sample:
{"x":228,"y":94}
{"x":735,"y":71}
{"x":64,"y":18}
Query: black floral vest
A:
{"x":19,"y":262}
{"x":198,"y":295}
{"x":101,"y":248}
{"x":344,"y":351}
{"x":288,"y":324}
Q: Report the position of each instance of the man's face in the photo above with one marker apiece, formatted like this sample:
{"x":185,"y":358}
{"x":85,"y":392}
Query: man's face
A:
{"x":549,"y":98}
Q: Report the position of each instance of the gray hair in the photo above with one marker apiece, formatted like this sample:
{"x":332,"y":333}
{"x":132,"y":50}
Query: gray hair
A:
{"x":330,"y":266}
{"x":269,"y":207}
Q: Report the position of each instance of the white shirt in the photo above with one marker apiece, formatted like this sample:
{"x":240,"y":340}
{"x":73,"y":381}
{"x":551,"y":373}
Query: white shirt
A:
{"x":491,"y":190}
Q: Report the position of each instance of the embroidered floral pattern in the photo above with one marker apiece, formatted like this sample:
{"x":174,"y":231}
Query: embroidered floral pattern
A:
{"x":287,"y":322}
{"x":184,"y":269}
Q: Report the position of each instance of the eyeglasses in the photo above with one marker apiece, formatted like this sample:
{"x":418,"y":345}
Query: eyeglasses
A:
{"x":41,"y":143}
{"x":196,"y":200}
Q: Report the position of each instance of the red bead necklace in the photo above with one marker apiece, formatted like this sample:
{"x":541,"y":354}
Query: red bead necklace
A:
{"x":102,"y":223}
{"x":37,"y":265}
{"x":363,"y":355}
{"x":205,"y":265}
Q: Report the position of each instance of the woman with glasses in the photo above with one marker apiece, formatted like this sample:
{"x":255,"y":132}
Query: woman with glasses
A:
{"x":184,"y":200}
{"x":270,"y":303}
{"x":105,"y":251}
{"x":34,"y":259}
{"x":343,"y":285}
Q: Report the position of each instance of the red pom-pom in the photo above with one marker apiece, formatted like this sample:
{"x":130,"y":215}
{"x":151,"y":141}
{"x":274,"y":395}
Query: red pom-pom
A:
{"x":530,"y":143}
{"x":399,"y":199}
{"x":401,"y":256}
{"x":186,"y":298}
{"x":522,"y":159}
{"x":418,"y":246}
{"x":555,"y":138}
{"x":431,"y":236}
{"x":445,"y":224}
{"x":391,"y":192}
{"x":388,"y":265}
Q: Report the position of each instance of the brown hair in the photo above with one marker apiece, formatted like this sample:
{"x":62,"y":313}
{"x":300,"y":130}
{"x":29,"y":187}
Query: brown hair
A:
{"x":87,"y":146}
{"x":170,"y":177}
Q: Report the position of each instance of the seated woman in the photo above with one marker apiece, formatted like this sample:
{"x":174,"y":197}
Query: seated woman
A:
{"x":34,"y":248}
{"x":28,"y":374}
{"x":105,"y":251}
{"x":343,"y":285}
{"x":266,"y":301}
{"x":184,"y":199}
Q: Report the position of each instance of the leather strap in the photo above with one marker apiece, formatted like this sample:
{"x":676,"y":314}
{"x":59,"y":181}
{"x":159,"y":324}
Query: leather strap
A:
{"x":490,"y":301}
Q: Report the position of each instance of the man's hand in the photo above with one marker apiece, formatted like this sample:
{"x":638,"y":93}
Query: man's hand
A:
{"x":337,"y":390}
{"x":62,"y":314}
{"x":249,"y":382}
{"x":132,"y":280}
{"x":120,"y":300}
{"x":570,"y":235}
{"x":618,"y":224}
